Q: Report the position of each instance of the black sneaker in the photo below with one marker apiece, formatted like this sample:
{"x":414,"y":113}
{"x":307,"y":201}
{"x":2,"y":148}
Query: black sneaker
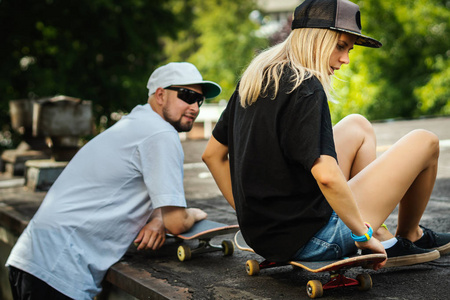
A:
{"x":434,"y":241}
{"x":405,"y":253}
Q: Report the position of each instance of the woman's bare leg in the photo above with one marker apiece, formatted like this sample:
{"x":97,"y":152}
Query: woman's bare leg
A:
{"x":355,"y":143}
{"x":405,"y":175}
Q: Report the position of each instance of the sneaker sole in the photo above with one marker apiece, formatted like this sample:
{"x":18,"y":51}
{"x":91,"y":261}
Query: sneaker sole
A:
{"x":409,"y":260}
{"x":443,"y":249}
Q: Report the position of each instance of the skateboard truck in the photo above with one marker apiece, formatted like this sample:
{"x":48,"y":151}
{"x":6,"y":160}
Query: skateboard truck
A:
{"x":335,"y":268}
{"x":204,"y":231}
{"x":185,"y":252}
{"x":315,"y":288}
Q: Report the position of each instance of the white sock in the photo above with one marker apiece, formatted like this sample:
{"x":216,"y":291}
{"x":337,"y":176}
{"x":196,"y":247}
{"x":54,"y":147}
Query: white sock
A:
{"x":389,"y":243}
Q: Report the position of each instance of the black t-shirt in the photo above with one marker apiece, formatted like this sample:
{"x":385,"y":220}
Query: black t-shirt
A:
{"x":273,"y":145}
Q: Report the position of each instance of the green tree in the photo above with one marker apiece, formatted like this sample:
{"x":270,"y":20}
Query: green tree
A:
{"x":101,"y":50}
{"x":399,"y":80}
{"x":221,"y":41}
{"x":434,"y":96}
{"x":104,"y":50}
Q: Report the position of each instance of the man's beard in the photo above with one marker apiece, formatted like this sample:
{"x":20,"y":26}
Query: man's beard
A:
{"x":180,"y":127}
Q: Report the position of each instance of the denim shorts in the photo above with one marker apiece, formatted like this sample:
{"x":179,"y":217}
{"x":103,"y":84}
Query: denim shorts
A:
{"x":333,"y":241}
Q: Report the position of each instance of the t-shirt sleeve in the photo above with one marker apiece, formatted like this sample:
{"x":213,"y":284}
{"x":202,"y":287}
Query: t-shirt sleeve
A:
{"x":162,"y":159}
{"x":220,"y":131}
{"x":308,"y":131}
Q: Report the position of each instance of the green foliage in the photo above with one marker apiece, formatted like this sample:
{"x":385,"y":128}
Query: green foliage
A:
{"x":354,"y":94}
{"x":398,"y":80}
{"x":434,"y":96}
{"x":101,"y":50}
{"x":220,"y":42}
{"x":104,"y":51}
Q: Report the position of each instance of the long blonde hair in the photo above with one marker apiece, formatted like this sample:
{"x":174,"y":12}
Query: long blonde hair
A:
{"x":306,"y":51}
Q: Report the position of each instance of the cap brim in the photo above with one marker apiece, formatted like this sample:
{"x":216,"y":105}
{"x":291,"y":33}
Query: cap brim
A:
{"x":210,"y":89}
{"x":362,"y":40}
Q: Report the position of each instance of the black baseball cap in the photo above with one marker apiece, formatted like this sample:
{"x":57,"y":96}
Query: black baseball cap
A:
{"x":339,"y":15}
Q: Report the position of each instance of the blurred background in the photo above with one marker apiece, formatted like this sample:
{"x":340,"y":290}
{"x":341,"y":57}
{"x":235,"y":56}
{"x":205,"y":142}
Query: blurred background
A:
{"x":104,"y":51}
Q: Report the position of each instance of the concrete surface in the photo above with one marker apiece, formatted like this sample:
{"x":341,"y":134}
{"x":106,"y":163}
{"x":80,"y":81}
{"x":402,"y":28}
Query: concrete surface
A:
{"x":225,"y":277}
{"x":212,"y":276}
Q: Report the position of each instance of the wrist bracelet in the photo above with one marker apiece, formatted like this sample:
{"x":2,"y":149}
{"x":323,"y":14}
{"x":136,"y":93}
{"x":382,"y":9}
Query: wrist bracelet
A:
{"x":365,"y":237}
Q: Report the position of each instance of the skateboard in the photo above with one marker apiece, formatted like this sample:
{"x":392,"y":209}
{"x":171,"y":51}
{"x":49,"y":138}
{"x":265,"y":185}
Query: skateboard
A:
{"x":336,"y":268}
{"x":204,"y":231}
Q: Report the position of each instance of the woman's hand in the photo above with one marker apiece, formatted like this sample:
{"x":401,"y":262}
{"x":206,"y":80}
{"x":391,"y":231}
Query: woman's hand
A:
{"x":376,"y":247}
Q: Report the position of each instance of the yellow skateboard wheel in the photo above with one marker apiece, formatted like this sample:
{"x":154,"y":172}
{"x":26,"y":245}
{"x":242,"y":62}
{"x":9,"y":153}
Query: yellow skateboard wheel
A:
{"x":184,"y":253}
{"x":227,"y":247}
{"x":252,"y":267}
{"x":314,"y":289}
{"x":365,"y":282}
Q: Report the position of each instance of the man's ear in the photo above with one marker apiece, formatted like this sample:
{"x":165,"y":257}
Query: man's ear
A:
{"x":160,"y":95}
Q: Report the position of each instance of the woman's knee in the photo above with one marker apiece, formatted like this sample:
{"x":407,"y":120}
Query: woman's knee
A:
{"x":429,"y":140}
{"x":357,"y":124}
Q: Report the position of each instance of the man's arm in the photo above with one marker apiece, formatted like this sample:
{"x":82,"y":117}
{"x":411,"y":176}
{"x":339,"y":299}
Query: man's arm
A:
{"x":216,"y":158}
{"x":179,"y":219}
{"x":175,"y":219}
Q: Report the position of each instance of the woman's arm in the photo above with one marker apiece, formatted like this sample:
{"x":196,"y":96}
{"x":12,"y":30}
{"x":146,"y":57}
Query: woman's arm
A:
{"x":216,"y":158}
{"x":335,"y":188}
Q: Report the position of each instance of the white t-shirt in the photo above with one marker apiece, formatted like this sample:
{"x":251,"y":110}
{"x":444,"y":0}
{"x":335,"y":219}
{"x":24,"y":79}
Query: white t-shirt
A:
{"x":99,"y":203}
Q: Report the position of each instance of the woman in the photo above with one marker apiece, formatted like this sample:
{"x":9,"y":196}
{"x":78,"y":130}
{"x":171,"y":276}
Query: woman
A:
{"x":291,"y":176}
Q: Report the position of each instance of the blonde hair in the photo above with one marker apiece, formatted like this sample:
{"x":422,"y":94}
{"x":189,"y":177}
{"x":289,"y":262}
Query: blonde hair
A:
{"x":306,"y":51}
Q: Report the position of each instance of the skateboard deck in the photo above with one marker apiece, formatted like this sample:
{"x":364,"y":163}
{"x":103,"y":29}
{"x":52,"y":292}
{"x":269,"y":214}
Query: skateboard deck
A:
{"x":336,"y":268}
{"x":204,"y":231}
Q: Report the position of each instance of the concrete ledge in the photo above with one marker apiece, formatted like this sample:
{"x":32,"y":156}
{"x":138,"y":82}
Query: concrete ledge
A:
{"x":142,"y":285}
{"x":41,"y":174}
{"x":16,"y":211}
{"x":17,"y":207}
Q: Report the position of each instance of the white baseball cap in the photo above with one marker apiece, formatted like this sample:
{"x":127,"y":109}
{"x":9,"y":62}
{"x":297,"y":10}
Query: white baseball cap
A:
{"x":181,"y":73}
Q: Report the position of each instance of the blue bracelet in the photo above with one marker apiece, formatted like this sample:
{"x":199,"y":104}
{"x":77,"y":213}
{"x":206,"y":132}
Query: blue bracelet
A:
{"x":365,"y":237}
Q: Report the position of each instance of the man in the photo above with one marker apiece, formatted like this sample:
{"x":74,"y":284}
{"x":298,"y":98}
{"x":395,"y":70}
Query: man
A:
{"x":129,"y":174}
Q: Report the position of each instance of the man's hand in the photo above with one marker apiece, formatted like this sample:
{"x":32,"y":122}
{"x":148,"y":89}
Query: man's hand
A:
{"x":152,"y":235}
{"x":375,"y":246}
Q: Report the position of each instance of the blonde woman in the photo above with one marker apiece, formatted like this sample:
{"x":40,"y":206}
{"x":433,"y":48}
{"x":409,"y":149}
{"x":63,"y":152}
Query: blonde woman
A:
{"x":307,"y":191}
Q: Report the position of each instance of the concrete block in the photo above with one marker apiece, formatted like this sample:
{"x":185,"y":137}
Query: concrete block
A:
{"x":41,"y":174}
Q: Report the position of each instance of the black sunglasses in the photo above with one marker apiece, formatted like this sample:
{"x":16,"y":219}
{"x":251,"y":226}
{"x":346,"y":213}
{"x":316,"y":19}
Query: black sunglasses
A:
{"x":188,"y":96}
